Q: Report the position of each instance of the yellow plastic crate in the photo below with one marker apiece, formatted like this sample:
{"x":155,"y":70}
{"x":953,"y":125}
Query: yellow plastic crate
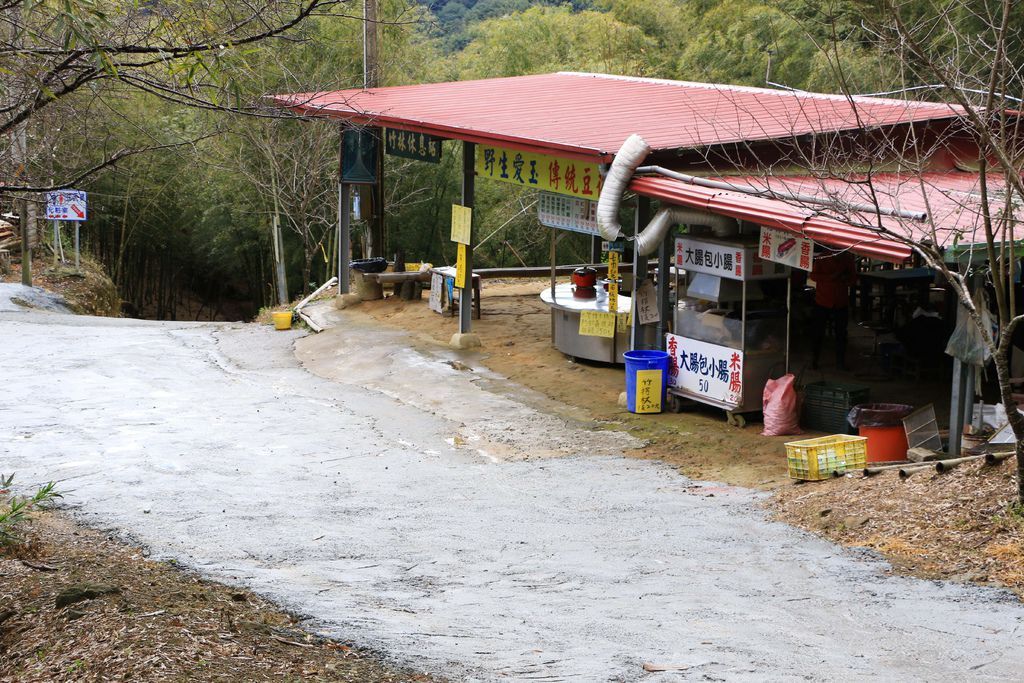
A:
{"x":826,"y":456}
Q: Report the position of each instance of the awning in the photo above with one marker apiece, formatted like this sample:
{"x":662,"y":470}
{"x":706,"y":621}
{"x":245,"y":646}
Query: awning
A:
{"x":950,"y":201}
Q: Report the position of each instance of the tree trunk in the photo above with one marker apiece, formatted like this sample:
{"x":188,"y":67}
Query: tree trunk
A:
{"x":1013,"y":416}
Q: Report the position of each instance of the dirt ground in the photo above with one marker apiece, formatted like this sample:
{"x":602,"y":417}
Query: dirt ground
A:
{"x":160,"y":623}
{"x":957,"y":526}
{"x":89,"y":291}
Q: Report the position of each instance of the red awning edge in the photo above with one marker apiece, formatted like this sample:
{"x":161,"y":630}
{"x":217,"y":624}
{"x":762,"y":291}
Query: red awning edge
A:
{"x":777,"y":214}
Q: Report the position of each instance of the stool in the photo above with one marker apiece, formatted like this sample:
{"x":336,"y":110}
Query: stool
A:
{"x":877,"y":328}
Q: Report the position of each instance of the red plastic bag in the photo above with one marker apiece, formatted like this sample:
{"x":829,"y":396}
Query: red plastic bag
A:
{"x":781,"y":412}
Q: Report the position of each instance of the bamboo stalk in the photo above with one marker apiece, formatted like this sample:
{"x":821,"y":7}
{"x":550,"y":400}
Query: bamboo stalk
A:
{"x":943,"y":466}
{"x":996,"y":458}
{"x":871,"y":471}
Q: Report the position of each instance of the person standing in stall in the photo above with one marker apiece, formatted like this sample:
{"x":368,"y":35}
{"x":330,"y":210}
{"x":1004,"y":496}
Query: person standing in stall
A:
{"x":833,"y":273}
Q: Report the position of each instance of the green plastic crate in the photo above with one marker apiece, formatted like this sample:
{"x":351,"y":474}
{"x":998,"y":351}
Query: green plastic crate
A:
{"x":826,"y":405}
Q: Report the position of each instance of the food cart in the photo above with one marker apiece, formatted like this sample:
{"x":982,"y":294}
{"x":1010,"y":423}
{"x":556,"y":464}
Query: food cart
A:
{"x":731,"y":331}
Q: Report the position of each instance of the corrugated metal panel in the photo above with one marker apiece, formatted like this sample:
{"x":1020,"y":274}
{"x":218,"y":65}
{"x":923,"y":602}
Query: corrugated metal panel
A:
{"x":592,"y":114}
{"x":950,"y":198}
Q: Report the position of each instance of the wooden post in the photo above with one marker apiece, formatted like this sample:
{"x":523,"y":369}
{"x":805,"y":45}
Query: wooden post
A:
{"x":468,"y":190}
{"x":344,"y":236}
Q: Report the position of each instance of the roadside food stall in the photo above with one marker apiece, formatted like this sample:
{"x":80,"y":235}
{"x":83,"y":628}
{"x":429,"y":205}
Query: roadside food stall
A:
{"x":731,"y":319}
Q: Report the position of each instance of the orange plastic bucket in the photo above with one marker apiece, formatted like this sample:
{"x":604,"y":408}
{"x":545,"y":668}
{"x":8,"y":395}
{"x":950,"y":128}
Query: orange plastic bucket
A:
{"x":885,"y":444}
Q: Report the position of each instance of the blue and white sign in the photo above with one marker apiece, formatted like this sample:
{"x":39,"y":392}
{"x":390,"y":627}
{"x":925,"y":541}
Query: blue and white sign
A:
{"x":66,"y":205}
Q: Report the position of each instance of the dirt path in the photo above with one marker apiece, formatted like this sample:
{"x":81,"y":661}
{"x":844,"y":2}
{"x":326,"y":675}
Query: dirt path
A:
{"x":209,"y":444}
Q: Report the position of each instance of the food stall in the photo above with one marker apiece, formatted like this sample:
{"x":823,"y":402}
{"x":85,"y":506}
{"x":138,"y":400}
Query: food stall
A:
{"x":731,"y":320}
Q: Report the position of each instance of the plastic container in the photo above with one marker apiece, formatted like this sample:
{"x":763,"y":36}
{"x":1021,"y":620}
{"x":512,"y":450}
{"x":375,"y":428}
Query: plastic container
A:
{"x":282,"y":320}
{"x":882,"y":425}
{"x":643,"y":361}
{"x":885,"y":444}
{"x":825,"y":456}
{"x":826,"y":405}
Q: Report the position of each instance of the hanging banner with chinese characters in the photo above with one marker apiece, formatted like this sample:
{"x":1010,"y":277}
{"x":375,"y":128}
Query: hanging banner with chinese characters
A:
{"x":731,"y":261}
{"x":411,"y":145}
{"x":705,"y":370}
{"x":460,"y":267}
{"x":540,"y":171}
{"x":613,"y":281}
{"x":786,"y":248}
{"x":567,"y":213}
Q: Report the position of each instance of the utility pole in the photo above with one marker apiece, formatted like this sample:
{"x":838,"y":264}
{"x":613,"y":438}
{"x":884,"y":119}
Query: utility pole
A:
{"x":371,"y":79}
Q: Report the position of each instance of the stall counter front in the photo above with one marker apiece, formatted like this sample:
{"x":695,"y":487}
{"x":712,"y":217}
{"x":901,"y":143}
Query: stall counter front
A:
{"x":567,"y":307}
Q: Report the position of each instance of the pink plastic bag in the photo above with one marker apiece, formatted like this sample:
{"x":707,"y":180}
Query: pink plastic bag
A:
{"x":781,"y":411}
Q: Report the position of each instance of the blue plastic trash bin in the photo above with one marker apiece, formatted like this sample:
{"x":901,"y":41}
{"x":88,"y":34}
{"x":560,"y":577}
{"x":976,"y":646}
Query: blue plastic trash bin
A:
{"x":644,"y":360}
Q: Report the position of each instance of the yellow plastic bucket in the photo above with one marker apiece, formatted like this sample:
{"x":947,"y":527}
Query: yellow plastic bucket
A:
{"x":283,"y":320}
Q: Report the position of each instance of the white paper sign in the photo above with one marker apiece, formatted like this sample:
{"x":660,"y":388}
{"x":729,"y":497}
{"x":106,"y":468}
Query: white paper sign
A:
{"x":66,"y":205}
{"x":436,"y":292}
{"x":786,"y":248}
{"x":647,"y":304}
{"x":709,"y":370}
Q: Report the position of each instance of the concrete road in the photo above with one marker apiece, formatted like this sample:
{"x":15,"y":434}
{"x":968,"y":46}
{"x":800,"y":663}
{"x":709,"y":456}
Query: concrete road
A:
{"x":398,"y":524}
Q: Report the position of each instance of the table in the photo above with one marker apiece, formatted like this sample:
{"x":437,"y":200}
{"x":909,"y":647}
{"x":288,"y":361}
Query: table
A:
{"x":888,"y":281}
{"x":447,"y":274}
{"x":565,"y":314}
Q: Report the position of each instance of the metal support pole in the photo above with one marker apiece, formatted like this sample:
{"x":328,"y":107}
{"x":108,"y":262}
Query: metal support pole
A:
{"x":956,"y":411}
{"x":664,"y":302}
{"x":554,"y":280}
{"x":789,"y":314}
{"x":344,"y":236}
{"x":468,"y":189}
{"x":78,"y":259}
{"x":641,"y":217}
{"x":56,"y":242}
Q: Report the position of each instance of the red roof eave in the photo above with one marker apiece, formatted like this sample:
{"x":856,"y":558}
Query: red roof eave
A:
{"x":575,"y":152}
{"x":774,"y":214}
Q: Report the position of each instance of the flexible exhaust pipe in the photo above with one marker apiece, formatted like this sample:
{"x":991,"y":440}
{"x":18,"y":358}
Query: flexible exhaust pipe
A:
{"x":650,"y":237}
{"x":632,"y":153}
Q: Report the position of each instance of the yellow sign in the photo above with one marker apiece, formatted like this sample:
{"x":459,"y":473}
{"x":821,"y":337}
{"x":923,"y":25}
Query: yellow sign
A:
{"x":462,"y":224}
{"x":597,"y":324}
{"x":539,"y":171}
{"x":613,"y":286}
{"x":460,"y":267}
{"x":624,"y":320}
{"x":613,"y":265}
{"x":648,"y":391}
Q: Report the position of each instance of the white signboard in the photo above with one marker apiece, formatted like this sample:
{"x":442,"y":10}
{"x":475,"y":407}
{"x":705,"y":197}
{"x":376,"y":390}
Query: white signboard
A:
{"x":65,"y":205}
{"x":436,"y":301}
{"x":731,"y":261}
{"x":567,"y":213}
{"x":786,"y":248}
{"x":706,"y":370}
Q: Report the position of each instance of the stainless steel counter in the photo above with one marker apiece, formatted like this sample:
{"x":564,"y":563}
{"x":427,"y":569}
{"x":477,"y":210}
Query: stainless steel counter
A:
{"x":565,"y":315}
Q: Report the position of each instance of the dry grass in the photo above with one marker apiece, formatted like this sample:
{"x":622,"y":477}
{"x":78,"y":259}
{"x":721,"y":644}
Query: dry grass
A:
{"x":961,"y":525}
{"x":163,"y":624}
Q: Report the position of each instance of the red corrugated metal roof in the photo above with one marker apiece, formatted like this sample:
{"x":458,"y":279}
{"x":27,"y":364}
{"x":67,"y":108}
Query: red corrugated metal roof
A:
{"x":592,"y":114}
{"x":950,"y":199}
